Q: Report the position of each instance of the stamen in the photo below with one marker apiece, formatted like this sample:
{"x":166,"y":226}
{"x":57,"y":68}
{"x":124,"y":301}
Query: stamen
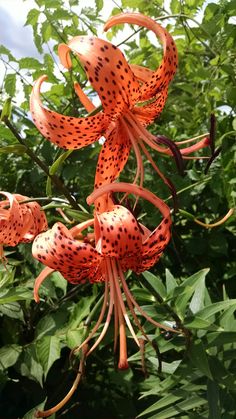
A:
{"x":39,"y":280}
{"x":217,"y":223}
{"x":49,"y":412}
{"x":99,"y":321}
{"x":161,"y":139}
{"x":110,"y":308}
{"x":134,"y":302}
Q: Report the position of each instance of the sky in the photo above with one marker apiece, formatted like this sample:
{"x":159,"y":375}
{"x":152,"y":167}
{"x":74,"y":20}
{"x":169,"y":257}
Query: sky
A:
{"x":13,"y":33}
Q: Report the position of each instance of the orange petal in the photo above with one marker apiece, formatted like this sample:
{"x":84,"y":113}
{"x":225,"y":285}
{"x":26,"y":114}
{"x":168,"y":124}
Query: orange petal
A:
{"x":153,"y":245}
{"x":117,"y":233}
{"x":165,"y":72}
{"x":146,"y":114}
{"x":143,"y":74}
{"x":57,"y":249}
{"x":88,"y":104}
{"x":39,"y":280}
{"x":11,"y":224}
{"x":65,"y":131}
{"x":112,"y":159}
{"x":107,"y":71}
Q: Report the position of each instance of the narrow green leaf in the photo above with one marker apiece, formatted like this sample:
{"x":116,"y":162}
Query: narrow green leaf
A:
{"x":6,"y":109}
{"x":14,"y":149}
{"x":156,"y":283}
{"x":10,"y":84}
{"x":213,"y":400}
{"x":198,"y":356}
{"x":170,"y":281}
{"x":181,"y":407}
{"x":57,"y":164}
{"x":16,"y":294}
{"x":197,"y":301}
{"x":48,"y":351}
{"x":219,"y":339}
{"x":209,"y":311}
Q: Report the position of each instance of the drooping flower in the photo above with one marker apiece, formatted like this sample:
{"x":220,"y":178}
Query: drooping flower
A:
{"x":119,"y":243}
{"x":131,"y":96}
{"x":19,"y":222}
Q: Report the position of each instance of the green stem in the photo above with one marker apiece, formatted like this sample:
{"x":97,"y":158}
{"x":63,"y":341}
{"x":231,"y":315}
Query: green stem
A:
{"x":189,"y":187}
{"x":55,"y":179}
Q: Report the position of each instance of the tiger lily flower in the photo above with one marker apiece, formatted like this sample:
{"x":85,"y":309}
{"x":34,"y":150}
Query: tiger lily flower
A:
{"x":120,"y":243}
{"x":19,"y":222}
{"x":132,"y":97}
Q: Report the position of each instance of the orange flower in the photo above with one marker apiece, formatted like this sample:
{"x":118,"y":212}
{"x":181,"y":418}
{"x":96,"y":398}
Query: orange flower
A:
{"x":19,"y":222}
{"x":131,"y":96}
{"x":120,"y":243}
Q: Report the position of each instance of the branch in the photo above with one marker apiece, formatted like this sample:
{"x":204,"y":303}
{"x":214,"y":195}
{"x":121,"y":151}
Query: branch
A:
{"x":55,"y":179}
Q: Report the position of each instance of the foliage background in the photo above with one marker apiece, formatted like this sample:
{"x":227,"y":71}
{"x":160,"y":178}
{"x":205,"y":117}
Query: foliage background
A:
{"x":198,"y":376}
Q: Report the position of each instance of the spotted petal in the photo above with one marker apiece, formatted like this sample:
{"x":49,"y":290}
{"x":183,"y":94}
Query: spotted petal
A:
{"x":34,"y":219}
{"x":58,"y":250}
{"x":117,"y":233}
{"x":65,"y":131}
{"x":165,"y":72}
{"x":112,"y":159}
{"x":107,"y":71}
{"x":11,"y":220}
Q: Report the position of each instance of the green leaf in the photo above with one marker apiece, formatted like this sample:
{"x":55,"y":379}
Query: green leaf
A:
{"x":48,"y":351}
{"x":32,"y":17}
{"x":219,"y":339}
{"x":9,"y":354}
{"x":29,"y":365}
{"x":46,"y":31}
{"x":59,"y":161}
{"x":209,"y":311}
{"x":170,"y":281}
{"x":197,"y":302}
{"x":31,"y":413}
{"x":14,"y":148}
{"x":6,"y":110}
{"x":30,"y":63}
{"x":174,"y":411}
{"x":12,"y":310}
{"x":5,"y":51}
{"x":74,"y":337}
{"x":99,"y":5}
{"x":80,"y":311}
{"x":16,"y":294}
{"x":10,"y":84}
{"x":198,"y":356}
{"x":213,"y":400}
{"x":156,"y":283}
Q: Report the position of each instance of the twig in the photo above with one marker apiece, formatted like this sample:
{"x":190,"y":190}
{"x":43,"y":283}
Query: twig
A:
{"x":55,"y":179}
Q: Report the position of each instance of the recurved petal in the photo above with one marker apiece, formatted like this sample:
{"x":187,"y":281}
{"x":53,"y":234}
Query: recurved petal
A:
{"x":58,"y":250}
{"x":117,"y":233}
{"x":65,"y":131}
{"x":143,"y":74}
{"x":165,"y":72}
{"x":146,"y":114}
{"x":11,"y":220}
{"x":107,"y":70}
{"x":38,"y":221}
